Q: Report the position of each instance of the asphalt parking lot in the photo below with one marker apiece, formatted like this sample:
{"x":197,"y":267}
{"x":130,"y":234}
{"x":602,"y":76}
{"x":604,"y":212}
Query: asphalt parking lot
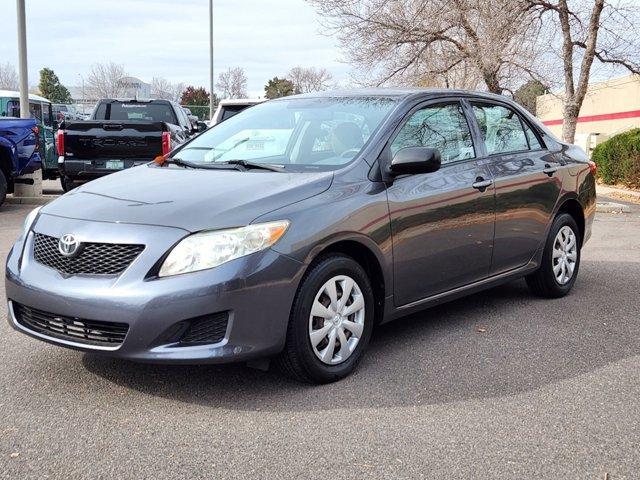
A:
{"x":497,"y":385}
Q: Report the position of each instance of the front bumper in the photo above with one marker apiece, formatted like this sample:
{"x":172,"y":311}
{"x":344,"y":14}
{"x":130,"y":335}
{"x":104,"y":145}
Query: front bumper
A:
{"x":256,"y":290}
{"x":85,"y":170}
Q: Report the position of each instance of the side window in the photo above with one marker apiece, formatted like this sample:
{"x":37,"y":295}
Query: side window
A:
{"x":441,"y":126}
{"x":534,"y":143}
{"x":182,"y":117}
{"x":501,"y":128}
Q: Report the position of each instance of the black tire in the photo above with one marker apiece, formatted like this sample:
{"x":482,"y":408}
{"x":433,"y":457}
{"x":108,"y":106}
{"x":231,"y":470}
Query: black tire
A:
{"x":67,"y":183}
{"x":3,"y":188}
{"x":543,"y":282}
{"x":298,"y":359}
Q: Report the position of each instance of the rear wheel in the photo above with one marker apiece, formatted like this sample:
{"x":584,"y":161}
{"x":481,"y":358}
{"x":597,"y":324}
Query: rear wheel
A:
{"x":67,"y":183}
{"x":331,"y":322}
{"x":3,"y":187}
{"x":560,"y":260}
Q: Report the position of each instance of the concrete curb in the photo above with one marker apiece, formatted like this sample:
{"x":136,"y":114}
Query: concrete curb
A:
{"x":43,"y":200}
{"x":611,"y":207}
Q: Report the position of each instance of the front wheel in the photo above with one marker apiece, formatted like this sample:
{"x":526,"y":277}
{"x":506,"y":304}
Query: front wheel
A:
{"x":331,"y":322}
{"x":560,"y":260}
{"x":3,"y":188}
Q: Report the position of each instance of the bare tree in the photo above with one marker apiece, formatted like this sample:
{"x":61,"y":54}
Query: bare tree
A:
{"x":310,"y":79}
{"x":166,"y":90}
{"x":232,"y":83}
{"x":8,"y":77}
{"x":589,"y":30}
{"x":445,"y":42}
{"x":104,"y":80}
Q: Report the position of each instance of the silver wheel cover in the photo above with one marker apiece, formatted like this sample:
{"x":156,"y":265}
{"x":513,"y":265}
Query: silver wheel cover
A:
{"x":565,"y":255}
{"x":336,"y":322}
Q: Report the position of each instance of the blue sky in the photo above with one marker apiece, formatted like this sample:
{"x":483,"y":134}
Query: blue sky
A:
{"x":169,"y":38}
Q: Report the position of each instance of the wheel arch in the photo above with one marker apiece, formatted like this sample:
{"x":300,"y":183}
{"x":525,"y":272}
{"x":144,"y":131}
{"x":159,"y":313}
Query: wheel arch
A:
{"x":367,"y":257}
{"x":574,"y":208}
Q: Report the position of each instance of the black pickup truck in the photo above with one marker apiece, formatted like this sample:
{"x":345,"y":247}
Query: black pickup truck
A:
{"x":120,"y":134}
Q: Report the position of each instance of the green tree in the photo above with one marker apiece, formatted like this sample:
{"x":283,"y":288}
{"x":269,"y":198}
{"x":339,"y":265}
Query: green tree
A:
{"x":197,"y":99}
{"x":278,"y":87}
{"x":51,"y":88}
{"x":527,"y":94}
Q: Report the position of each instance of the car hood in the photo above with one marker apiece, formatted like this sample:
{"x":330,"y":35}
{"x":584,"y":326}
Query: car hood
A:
{"x":190,"y":199}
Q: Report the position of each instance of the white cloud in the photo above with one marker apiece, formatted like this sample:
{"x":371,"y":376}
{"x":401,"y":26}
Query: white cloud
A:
{"x":169,"y":38}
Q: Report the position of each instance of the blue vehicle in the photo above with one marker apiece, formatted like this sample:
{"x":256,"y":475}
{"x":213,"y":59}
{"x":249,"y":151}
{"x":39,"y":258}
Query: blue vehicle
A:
{"x":19,"y":152}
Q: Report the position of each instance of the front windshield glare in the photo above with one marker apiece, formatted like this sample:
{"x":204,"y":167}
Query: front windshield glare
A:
{"x":297,"y":133}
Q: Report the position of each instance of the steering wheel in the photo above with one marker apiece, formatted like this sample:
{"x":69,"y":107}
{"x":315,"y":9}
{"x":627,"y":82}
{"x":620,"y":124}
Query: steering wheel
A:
{"x":349,"y":153}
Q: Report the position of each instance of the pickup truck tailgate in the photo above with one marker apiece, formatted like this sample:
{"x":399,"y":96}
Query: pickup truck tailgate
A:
{"x":99,"y":139}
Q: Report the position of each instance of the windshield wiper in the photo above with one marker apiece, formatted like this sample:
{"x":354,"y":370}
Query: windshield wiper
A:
{"x":206,"y":166}
{"x":249,"y":164}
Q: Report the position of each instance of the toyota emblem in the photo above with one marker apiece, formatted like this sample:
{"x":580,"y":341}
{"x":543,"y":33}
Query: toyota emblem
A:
{"x":68,"y":245}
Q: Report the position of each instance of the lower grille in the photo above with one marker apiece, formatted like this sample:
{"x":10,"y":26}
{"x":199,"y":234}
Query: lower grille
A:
{"x":89,"y":332}
{"x":206,"y":329}
{"x":91,"y":259}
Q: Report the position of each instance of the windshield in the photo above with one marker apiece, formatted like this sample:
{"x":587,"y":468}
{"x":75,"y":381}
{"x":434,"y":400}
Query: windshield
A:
{"x":297,"y":133}
{"x":154,"y":112}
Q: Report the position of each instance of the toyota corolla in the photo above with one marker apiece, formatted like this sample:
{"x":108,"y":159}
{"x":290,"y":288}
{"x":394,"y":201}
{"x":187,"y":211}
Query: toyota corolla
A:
{"x":290,"y":231}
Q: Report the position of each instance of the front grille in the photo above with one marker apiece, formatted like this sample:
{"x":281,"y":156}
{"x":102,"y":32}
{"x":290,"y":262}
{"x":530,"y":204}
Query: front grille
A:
{"x":206,"y":329}
{"x":90,"y":332}
{"x":92,"y":259}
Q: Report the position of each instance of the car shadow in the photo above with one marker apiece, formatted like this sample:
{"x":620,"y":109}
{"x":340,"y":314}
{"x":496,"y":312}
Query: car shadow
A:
{"x":500,"y":342}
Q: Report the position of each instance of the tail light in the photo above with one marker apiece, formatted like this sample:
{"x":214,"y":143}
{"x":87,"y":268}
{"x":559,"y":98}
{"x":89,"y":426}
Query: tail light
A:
{"x":166,"y":142}
{"x":593,"y":167}
{"x":60,"y":142}
{"x":36,"y":132}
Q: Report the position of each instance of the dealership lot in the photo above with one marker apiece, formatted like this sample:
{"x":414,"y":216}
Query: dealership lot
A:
{"x":497,"y":385}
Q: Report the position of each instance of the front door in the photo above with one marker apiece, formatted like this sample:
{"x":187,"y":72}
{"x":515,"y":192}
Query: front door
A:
{"x":442,"y":222}
{"x":527,"y":181}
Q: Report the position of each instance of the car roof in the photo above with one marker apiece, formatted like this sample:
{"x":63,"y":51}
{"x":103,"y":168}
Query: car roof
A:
{"x":133,"y":100}
{"x":397,"y":93}
{"x":241,"y":101}
{"x":16,"y":94}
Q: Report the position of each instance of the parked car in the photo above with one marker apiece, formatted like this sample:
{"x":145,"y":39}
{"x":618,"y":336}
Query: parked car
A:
{"x":63,"y":112}
{"x":381,"y":203}
{"x":192,"y":118}
{"x":19,"y":152}
{"x":228,"y":108}
{"x":41,"y":110}
{"x":120,"y":134}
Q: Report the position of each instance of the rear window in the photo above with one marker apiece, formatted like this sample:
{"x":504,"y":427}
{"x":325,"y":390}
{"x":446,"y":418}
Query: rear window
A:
{"x":231,"y":110}
{"x":153,"y":112}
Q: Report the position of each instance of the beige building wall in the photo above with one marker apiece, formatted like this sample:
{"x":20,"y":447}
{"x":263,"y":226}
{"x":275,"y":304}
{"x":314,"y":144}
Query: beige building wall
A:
{"x":609,"y":108}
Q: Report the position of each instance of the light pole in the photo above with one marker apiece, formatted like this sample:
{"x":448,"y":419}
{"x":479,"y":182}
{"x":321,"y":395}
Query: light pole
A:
{"x":82,"y":78}
{"x":211,"y":107}
{"x":22,"y":60}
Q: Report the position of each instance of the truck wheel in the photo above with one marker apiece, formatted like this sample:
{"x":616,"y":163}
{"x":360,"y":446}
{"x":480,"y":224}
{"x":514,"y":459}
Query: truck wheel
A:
{"x":3,"y":188}
{"x":331,"y":322}
{"x":67,"y":183}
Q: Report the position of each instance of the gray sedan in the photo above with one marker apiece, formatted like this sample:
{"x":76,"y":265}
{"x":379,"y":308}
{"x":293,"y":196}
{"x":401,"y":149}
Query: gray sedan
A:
{"x":291,"y":230}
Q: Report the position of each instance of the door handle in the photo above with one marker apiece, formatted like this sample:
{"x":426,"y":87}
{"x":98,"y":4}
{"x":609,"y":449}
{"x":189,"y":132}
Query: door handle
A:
{"x":549,"y":170}
{"x":482,"y":184}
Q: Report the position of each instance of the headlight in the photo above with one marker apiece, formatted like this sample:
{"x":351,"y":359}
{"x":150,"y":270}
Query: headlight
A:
{"x":28,"y":221}
{"x":204,"y":250}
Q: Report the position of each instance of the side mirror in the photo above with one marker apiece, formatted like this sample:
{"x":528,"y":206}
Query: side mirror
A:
{"x":416,"y":160}
{"x":201,"y":127}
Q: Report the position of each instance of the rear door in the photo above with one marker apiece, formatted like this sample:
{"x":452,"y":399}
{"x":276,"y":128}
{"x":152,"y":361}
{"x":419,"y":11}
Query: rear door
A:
{"x":527,"y":183}
{"x":442,"y":222}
